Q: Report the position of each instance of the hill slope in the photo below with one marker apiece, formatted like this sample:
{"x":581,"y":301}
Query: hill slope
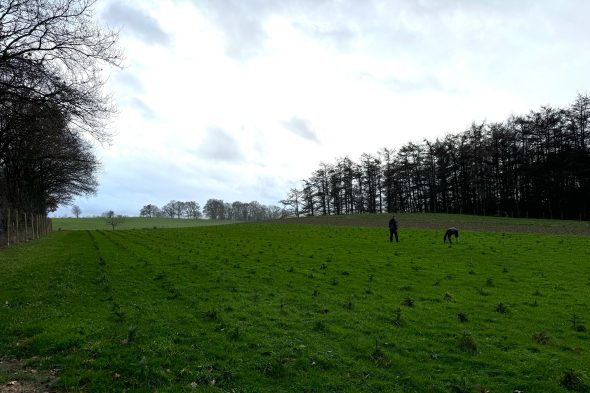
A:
{"x":261,"y":307}
{"x":441,"y":221}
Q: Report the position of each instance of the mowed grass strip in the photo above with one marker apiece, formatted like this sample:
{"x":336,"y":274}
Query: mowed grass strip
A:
{"x":441,"y":221}
{"x":261,"y":307}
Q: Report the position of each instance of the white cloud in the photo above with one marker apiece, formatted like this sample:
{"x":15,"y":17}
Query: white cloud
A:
{"x":211,"y":86}
{"x":219,"y":145}
{"x":302,"y":128}
{"x":136,"y":22}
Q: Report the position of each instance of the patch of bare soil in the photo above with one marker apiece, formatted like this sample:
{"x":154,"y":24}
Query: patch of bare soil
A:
{"x":443,"y":221}
{"x":24,"y":379}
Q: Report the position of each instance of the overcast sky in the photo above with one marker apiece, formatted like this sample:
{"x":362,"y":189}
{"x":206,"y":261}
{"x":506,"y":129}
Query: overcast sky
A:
{"x":241,"y":99}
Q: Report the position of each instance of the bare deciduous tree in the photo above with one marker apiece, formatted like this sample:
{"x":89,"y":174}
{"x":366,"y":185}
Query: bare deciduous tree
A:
{"x":50,"y":47}
{"x":76,"y":211}
{"x":214,"y":209}
{"x":149,"y":211}
{"x":112,"y":219}
{"x":193,"y":210}
{"x":51,"y":91}
{"x":293,"y":201}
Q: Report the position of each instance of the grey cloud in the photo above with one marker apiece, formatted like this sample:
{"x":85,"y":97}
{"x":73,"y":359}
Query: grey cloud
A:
{"x":338,"y":23}
{"x":241,"y":23}
{"x":341,"y":37}
{"x":130,"y":81}
{"x":269,"y":190}
{"x":302,"y":128}
{"x":428,"y":30}
{"x":408,"y":85}
{"x":137,"y":22}
{"x":144,"y":110}
{"x":341,"y":24}
{"x":220,"y":145}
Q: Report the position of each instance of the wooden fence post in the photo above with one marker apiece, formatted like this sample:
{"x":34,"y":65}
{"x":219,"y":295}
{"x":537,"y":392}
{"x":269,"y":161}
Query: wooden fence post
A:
{"x":8,"y":229}
{"x":41,"y":225}
{"x":16,"y":239}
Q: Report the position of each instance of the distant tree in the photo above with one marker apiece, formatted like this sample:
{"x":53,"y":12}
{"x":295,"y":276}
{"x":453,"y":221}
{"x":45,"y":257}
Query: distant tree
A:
{"x":169,"y":210}
{"x":76,"y":211}
{"x":371,"y":167}
{"x":239,"y":211}
{"x":227,"y":211}
{"x":388,"y":179}
{"x":308,"y":200}
{"x":321,"y":183}
{"x":293,"y":201}
{"x":217,"y":209}
{"x":179,"y":208}
{"x":113,"y":219}
{"x":274,"y":212}
{"x":193,"y":210}
{"x":214,"y":209}
{"x":256,"y":211}
{"x":149,"y":211}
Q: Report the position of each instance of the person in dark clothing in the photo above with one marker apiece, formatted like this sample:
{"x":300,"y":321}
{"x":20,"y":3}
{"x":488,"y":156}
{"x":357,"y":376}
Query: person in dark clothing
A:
{"x":451,"y":232}
{"x":393,"y":230}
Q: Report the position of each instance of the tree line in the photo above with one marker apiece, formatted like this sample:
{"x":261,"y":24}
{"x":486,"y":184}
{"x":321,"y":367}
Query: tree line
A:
{"x":215,"y":209}
{"x":173,"y":209}
{"x":531,"y":165}
{"x":51,"y":101}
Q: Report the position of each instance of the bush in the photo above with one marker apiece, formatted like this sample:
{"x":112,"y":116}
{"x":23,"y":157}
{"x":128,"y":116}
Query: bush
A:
{"x":541,"y":338}
{"x":572,"y":380}
{"x":467,"y":343}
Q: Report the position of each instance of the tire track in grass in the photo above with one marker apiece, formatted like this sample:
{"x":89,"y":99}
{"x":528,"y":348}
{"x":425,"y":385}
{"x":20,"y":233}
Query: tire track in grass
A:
{"x":180,"y":264}
{"x":143,"y":265}
{"x":103,"y":281}
{"x":172,"y":292}
{"x":235,"y":279}
{"x":162,"y":242}
{"x":60,"y":314}
{"x":176,"y":304}
{"x":135,"y":361}
{"x":176,"y":334}
{"x":172,"y":260}
{"x":279,"y":319}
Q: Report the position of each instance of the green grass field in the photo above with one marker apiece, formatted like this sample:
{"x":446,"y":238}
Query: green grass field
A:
{"x":90,"y":223}
{"x":299,"y":308}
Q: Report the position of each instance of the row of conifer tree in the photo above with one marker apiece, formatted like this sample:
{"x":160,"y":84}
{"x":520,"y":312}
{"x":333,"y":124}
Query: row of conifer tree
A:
{"x":531,"y":165}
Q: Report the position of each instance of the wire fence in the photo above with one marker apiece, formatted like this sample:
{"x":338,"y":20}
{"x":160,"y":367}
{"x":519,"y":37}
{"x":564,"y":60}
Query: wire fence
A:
{"x":18,"y":226}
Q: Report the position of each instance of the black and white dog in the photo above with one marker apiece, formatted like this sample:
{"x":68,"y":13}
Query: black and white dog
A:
{"x":451,"y":232}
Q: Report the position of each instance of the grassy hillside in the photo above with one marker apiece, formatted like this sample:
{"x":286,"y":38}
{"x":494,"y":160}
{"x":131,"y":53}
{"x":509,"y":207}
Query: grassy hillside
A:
{"x":279,"y":307}
{"x":89,"y":223}
{"x":440,"y":221}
